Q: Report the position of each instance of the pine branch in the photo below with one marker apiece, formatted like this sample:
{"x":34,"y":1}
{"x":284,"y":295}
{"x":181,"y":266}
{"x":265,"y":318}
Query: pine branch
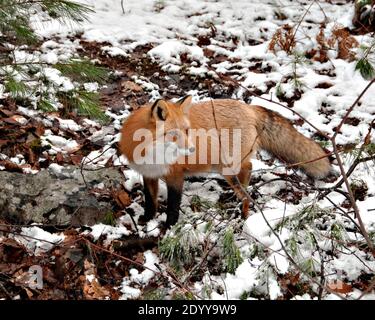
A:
{"x":85,"y":103}
{"x":17,"y":89}
{"x":66,"y":11}
{"x":83,"y":71}
{"x":33,"y":87}
{"x":231,"y":253}
{"x":45,"y":105}
{"x":365,"y":68}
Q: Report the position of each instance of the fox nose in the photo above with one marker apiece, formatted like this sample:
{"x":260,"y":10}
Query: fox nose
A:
{"x":191,"y":149}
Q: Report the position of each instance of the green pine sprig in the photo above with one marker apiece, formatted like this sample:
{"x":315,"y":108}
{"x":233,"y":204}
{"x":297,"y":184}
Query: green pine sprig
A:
{"x":231,"y":253}
{"x":83,"y":71}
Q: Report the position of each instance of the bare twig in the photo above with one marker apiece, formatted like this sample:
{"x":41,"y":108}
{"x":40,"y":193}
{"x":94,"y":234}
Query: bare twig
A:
{"x":122,"y":6}
{"x":351,"y":108}
{"x":175,"y":280}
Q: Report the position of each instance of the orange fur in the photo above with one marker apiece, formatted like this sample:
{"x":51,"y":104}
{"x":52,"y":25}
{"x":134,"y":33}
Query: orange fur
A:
{"x":260,"y":129}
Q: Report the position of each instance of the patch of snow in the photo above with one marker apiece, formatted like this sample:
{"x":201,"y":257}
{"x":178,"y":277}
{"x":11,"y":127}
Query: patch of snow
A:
{"x":98,"y":158}
{"x":146,"y":275}
{"x":114,"y":51}
{"x":58,"y":143}
{"x":244,"y":279}
{"x":37,"y":240}
{"x":132,"y":178}
{"x":110,"y":232}
{"x":152,"y":229}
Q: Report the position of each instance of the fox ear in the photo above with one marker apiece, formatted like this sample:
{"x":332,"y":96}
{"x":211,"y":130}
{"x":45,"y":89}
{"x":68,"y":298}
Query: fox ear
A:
{"x":159,"y":110}
{"x":185,"y":103}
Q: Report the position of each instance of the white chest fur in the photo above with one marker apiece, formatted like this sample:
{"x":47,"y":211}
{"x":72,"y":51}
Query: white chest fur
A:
{"x":151,"y":170}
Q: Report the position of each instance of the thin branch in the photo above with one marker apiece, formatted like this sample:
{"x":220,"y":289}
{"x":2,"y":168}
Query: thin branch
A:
{"x":351,"y":109}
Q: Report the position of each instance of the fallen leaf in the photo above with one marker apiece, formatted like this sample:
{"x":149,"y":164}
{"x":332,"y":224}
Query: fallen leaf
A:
{"x":91,"y":287}
{"x":10,"y":166}
{"x":8,"y":113}
{"x":59,"y":158}
{"x":76,"y":158}
{"x":122,"y":198}
{"x":131,"y":86}
{"x":340,"y":287}
{"x":39,"y":130}
{"x":20,"y":119}
{"x":28,"y":292}
{"x":10,"y":121}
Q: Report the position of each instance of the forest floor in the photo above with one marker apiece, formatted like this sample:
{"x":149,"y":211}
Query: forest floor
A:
{"x":301,"y":240}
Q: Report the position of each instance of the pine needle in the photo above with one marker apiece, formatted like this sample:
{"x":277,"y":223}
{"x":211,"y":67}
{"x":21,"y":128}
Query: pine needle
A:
{"x":66,"y":11}
{"x":365,"y":68}
{"x":83,"y":71}
{"x":231,"y":253}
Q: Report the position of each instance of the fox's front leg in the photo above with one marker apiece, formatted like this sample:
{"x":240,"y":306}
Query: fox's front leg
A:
{"x":175,"y":185}
{"x":150,"y":189}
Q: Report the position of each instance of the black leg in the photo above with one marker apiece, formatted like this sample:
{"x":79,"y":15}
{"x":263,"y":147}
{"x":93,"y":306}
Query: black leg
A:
{"x":150,"y":190}
{"x":174,"y":202}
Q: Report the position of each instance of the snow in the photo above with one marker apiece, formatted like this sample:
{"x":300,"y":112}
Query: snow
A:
{"x":50,"y":57}
{"x":257,"y":227}
{"x":145,"y":276}
{"x":368,"y":217}
{"x":347,"y":263}
{"x":91,"y":86}
{"x":136,"y":277}
{"x":2,"y":89}
{"x":58,"y":143}
{"x":242,"y":281}
{"x":55,"y":77}
{"x":129,"y":292}
{"x":114,"y":51}
{"x":152,"y":229}
{"x":56,"y":168}
{"x":37,"y":240}
{"x":210,"y":191}
{"x":110,"y":232}
{"x":172,"y":30}
{"x":170,"y":51}
{"x":99,"y":157}
{"x":132,"y":178}
{"x":66,"y":124}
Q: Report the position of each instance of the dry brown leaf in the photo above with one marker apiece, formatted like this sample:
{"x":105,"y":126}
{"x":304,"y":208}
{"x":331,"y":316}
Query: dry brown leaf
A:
{"x":76,"y":158}
{"x":91,"y":287}
{"x":283,"y":39}
{"x":10,"y":121}
{"x":3,"y":142}
{"x":131,"y":86}
{"x":340,"y":287}
{"x":29,"y":292}
{"x":10,"y":166}
{"x":345,"y":43}
{"x":140,"y":258}
{"x":59,"y":158}
{"x":19,"y":119}
{"x":122,"y":198}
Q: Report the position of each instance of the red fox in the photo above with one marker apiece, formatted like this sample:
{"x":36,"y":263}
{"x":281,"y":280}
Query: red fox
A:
{"x":172,"y":140}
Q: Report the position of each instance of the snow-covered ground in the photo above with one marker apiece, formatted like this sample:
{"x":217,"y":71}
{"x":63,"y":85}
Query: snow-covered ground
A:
{"x":239,"y":33}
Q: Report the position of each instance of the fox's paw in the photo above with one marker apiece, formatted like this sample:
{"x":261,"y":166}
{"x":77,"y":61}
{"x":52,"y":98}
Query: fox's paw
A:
{"x":142,"y":220}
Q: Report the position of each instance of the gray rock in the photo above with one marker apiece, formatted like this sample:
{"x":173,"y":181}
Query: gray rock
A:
{"x":57,"y":197}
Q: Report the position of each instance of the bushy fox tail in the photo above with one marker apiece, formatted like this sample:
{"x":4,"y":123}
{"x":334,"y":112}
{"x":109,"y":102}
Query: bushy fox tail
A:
{"x":278,"y":136}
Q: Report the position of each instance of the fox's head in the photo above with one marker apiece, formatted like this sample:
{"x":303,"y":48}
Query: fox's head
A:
{"x":158,"y":133}
{"x":171,"y":120}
